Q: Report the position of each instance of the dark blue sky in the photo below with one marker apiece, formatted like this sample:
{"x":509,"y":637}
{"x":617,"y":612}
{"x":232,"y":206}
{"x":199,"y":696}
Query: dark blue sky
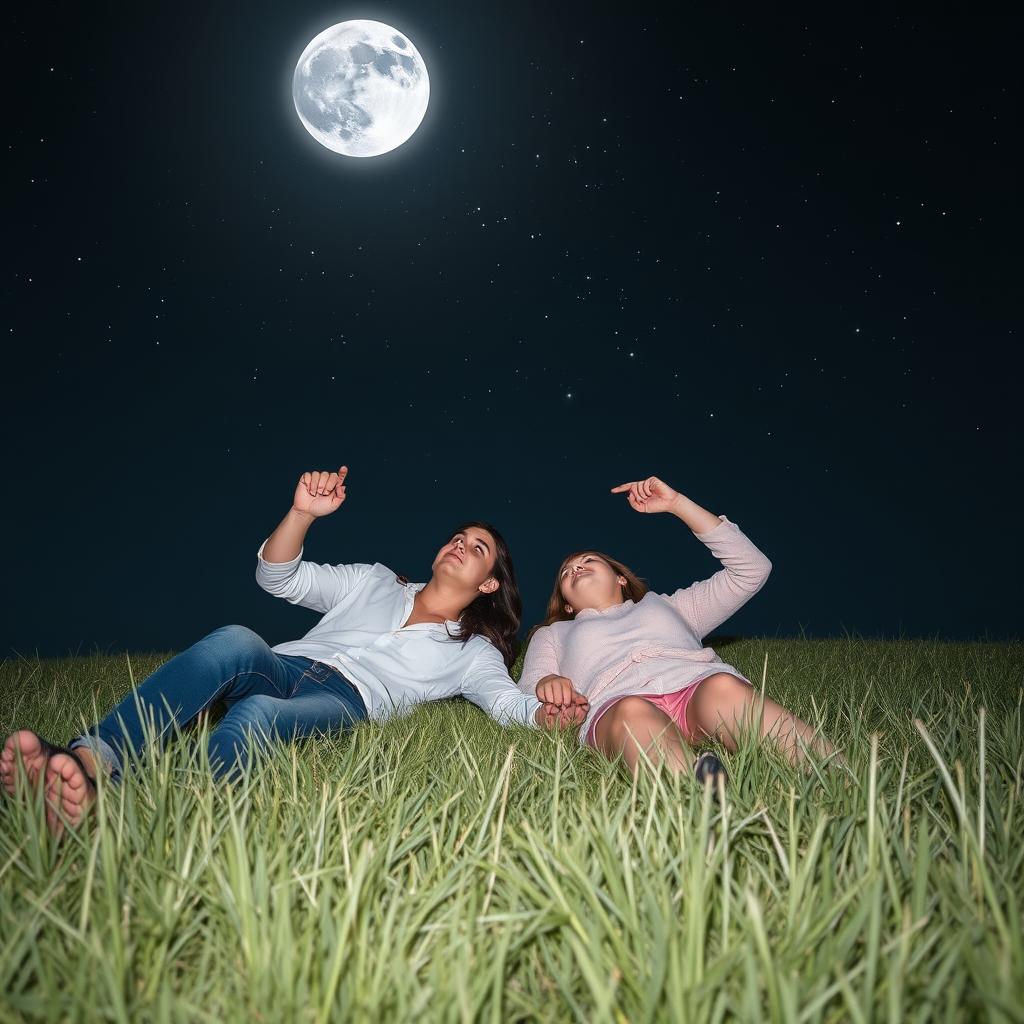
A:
{"x":774,"y":262}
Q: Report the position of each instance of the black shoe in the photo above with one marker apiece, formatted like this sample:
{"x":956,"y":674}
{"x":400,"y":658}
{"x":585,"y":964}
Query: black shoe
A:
{"x":708,"y":766}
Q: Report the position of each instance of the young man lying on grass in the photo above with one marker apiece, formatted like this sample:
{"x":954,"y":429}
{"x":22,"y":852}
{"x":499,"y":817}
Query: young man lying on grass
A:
{"x":375,"y":652}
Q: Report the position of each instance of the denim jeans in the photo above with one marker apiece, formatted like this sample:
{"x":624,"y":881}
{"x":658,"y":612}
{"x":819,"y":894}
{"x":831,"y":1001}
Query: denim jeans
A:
{"x":270,"y":698}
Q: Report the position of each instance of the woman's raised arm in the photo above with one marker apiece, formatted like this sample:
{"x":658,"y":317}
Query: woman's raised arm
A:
{"x":707,"y":603}
{"x":654,"y":495}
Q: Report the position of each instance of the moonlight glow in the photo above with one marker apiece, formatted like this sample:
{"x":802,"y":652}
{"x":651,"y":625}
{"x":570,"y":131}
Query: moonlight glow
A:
{"x":361,"y":88}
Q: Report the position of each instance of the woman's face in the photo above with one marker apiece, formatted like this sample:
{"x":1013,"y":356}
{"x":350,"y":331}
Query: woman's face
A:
{"x":468,"y":559}
{"x":588,"y":581}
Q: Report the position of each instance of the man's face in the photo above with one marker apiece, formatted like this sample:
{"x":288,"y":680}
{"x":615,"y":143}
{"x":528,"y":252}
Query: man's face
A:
{"x":468,"y":557}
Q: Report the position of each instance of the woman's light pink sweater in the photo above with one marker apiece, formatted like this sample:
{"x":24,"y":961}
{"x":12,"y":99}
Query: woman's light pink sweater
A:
{"x":652,"y":645}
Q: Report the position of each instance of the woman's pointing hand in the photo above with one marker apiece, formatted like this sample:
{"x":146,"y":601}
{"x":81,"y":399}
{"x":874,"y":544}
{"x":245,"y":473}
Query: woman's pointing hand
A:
{"x":650,"y":495}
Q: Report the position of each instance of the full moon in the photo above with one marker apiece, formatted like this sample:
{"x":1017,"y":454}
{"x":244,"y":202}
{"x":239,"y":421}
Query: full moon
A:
{"x":361,"y":88}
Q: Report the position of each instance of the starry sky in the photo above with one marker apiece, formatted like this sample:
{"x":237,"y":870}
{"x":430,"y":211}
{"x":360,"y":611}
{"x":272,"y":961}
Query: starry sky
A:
{"x":774,"y":262}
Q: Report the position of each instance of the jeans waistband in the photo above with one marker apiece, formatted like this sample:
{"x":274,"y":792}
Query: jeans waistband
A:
{"x":321,"y":672}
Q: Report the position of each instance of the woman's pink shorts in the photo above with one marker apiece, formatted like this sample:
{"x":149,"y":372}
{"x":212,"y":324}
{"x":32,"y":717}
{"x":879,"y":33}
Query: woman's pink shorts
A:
{"x":673,"y":704}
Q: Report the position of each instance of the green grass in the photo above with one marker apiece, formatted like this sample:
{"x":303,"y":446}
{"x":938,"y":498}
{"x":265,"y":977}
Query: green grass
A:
{"x":442,"y":868}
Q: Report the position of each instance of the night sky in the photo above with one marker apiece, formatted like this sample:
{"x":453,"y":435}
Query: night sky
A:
{"x":775,"y":262}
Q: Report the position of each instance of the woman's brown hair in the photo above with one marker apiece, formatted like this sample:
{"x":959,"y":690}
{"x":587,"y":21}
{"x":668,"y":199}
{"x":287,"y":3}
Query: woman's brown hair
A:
{"x":633,"y":589}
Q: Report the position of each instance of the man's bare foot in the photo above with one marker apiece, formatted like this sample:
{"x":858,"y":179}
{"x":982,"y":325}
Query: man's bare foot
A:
{"x":70,"y":792}
{"x":23,"y":749}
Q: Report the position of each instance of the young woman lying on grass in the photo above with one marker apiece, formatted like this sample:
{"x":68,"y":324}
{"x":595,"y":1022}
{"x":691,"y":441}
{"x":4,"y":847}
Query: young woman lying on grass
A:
{"x":637,"y":657}
{"x":374,"y":652}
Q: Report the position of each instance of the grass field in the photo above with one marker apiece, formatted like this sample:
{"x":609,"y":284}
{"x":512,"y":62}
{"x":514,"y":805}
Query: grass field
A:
{"x":442,"y":868}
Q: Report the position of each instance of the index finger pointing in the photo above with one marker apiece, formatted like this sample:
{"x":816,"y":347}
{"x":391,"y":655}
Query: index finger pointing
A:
{"x":621,"y":487}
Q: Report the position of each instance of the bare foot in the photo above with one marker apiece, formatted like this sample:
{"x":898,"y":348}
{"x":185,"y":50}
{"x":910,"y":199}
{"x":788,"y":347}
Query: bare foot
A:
{"x":31,"y":751}
{"x":69,"y":793}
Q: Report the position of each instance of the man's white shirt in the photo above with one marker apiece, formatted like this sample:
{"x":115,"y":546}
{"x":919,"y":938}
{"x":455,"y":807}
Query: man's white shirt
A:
{"x":392,"y":667}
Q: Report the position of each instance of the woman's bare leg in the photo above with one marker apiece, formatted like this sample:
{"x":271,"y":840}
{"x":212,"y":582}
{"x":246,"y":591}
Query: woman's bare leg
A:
{"x":723,"y":704}
{"x":634,"y":725}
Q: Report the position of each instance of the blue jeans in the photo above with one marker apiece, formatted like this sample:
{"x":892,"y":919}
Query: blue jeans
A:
{"x":270,"y":698}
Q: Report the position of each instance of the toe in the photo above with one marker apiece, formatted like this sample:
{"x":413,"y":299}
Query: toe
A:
{"x":23,"y":747}
{"x":68,"y":792}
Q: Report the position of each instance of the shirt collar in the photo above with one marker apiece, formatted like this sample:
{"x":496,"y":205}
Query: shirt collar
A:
{"x":411,"y":590}
{"x":611,"y":610}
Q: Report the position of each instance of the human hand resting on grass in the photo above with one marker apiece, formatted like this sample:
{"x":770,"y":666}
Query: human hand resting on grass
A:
{"x":650,"y":495}
{"x":561,"y":705}
{"x":320,"y":493}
